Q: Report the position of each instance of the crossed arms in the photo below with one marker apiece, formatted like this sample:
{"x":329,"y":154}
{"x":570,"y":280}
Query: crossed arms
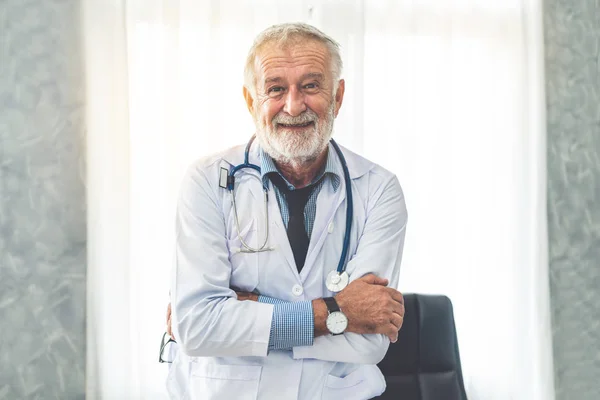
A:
{"x":211,"y":319}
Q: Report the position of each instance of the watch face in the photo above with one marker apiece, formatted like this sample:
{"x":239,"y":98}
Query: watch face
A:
{"x":337,"y":322}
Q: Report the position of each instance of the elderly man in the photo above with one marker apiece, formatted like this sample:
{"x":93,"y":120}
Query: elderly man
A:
{"x":263,"y":307}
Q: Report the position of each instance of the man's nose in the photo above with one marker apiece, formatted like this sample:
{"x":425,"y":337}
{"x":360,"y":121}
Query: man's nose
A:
{"x":294,"y":102}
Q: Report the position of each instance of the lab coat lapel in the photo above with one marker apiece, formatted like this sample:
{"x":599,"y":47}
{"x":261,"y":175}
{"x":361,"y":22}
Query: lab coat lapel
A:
{"x":328,"y":203}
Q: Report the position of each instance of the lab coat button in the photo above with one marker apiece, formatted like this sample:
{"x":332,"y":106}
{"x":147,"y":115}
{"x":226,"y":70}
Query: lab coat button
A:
{"x":330,"y":227}
{"x":297,"y":290}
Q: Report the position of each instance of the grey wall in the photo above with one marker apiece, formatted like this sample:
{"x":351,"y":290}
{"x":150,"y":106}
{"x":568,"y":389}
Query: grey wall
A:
{"x":42,"y":201}
{"x":572,"y":36}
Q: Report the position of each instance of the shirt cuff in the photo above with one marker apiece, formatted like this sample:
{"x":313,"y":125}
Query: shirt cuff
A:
{"x":270,"y":300}
{"x":293,"y":324}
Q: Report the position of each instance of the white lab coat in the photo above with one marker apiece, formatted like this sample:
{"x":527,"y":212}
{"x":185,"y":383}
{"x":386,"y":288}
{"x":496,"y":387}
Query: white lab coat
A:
{"x":223,"y":342}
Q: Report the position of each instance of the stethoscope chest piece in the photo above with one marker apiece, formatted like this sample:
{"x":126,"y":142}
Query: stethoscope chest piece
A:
{"x":336,"y":282}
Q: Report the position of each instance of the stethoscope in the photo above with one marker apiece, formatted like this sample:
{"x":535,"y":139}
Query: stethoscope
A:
{"x":336,"y":280}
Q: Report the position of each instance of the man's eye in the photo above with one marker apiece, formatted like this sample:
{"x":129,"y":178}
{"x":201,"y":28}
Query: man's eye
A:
{"x":276,"y":89}
{"x":311,"y":86}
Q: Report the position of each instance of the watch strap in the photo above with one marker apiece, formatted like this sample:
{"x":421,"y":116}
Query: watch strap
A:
{"x":332,"y":305}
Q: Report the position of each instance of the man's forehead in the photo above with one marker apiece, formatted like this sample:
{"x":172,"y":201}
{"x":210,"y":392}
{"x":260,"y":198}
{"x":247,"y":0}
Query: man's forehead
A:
{"x":308,"y":57}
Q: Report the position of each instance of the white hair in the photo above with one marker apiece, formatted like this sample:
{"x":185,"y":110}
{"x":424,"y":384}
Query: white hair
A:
{"x":286,"y":34}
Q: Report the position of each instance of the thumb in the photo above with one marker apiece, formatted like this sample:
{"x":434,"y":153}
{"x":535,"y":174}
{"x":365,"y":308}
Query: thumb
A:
{"x":374,"y":280}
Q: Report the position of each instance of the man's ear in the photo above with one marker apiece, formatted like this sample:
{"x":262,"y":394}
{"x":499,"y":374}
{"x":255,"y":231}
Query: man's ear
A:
{"x":249,"y":100}
{"x":339,"y":96}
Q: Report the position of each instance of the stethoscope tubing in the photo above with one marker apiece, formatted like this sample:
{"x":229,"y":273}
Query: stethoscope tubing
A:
{"x":349,"y":207}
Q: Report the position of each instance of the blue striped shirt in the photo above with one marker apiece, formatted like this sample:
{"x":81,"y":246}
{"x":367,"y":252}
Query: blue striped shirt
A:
{"x":293,"y":323}
{"x":329,"y":170}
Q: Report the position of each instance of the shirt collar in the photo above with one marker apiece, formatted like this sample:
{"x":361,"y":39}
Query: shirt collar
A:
{"x":332,"y":169}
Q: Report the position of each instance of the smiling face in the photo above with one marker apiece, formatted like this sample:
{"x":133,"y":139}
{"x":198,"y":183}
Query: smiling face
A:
{"x":294,"y":105}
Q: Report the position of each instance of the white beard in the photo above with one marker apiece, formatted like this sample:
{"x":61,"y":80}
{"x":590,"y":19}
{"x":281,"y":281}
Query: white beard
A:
{"x":296,"y":148}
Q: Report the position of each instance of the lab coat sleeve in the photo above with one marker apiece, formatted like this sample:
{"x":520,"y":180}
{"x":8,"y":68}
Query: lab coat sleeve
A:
{"x":208,"y":318}
{"x":379,"y":252}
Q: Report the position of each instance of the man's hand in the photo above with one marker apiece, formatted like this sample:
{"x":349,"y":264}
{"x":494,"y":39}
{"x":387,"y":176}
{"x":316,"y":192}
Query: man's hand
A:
{"x":241,"y":296}
{"x":372,"y":307}
{"x":169,"y":331}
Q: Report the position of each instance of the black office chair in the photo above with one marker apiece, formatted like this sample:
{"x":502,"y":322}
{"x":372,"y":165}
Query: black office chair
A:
{"x":424,"y":364}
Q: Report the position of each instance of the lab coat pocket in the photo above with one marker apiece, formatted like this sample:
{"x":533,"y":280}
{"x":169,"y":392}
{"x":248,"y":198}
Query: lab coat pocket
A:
{"x":217,"y":381}
{"x":357,"y":385}
{"x":244,"y":264}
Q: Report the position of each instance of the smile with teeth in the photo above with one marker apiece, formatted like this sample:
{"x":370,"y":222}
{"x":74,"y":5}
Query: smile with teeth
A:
{"x":304,"y":125}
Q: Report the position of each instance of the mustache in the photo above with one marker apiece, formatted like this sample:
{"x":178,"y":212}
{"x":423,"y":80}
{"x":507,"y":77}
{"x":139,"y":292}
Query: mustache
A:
{"x":304,"y":118}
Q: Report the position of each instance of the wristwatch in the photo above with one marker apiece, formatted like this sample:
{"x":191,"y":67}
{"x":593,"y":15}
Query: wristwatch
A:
{"x":336,"y":322}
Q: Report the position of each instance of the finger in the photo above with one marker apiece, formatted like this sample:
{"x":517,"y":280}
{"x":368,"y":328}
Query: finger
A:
{"x":374,"y":280}
{"x":398,"y":308}
{"x":396,"y":295}
{"x":392,"y":333}
{"x":241,"y":296}
{"x":169,"y":331}
{"x":169,"y":311}
{"x":397,"y":320}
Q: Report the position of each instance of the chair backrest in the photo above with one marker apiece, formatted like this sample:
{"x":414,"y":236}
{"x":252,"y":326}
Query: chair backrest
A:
{"x":424,"y":364}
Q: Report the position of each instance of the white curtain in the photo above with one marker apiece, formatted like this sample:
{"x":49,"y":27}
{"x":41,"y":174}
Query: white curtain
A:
{"x":446,"y":94}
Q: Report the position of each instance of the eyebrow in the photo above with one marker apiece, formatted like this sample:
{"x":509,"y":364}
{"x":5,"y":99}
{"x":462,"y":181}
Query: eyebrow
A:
{"x":273,"y":80}
{"x":313,"y":75}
